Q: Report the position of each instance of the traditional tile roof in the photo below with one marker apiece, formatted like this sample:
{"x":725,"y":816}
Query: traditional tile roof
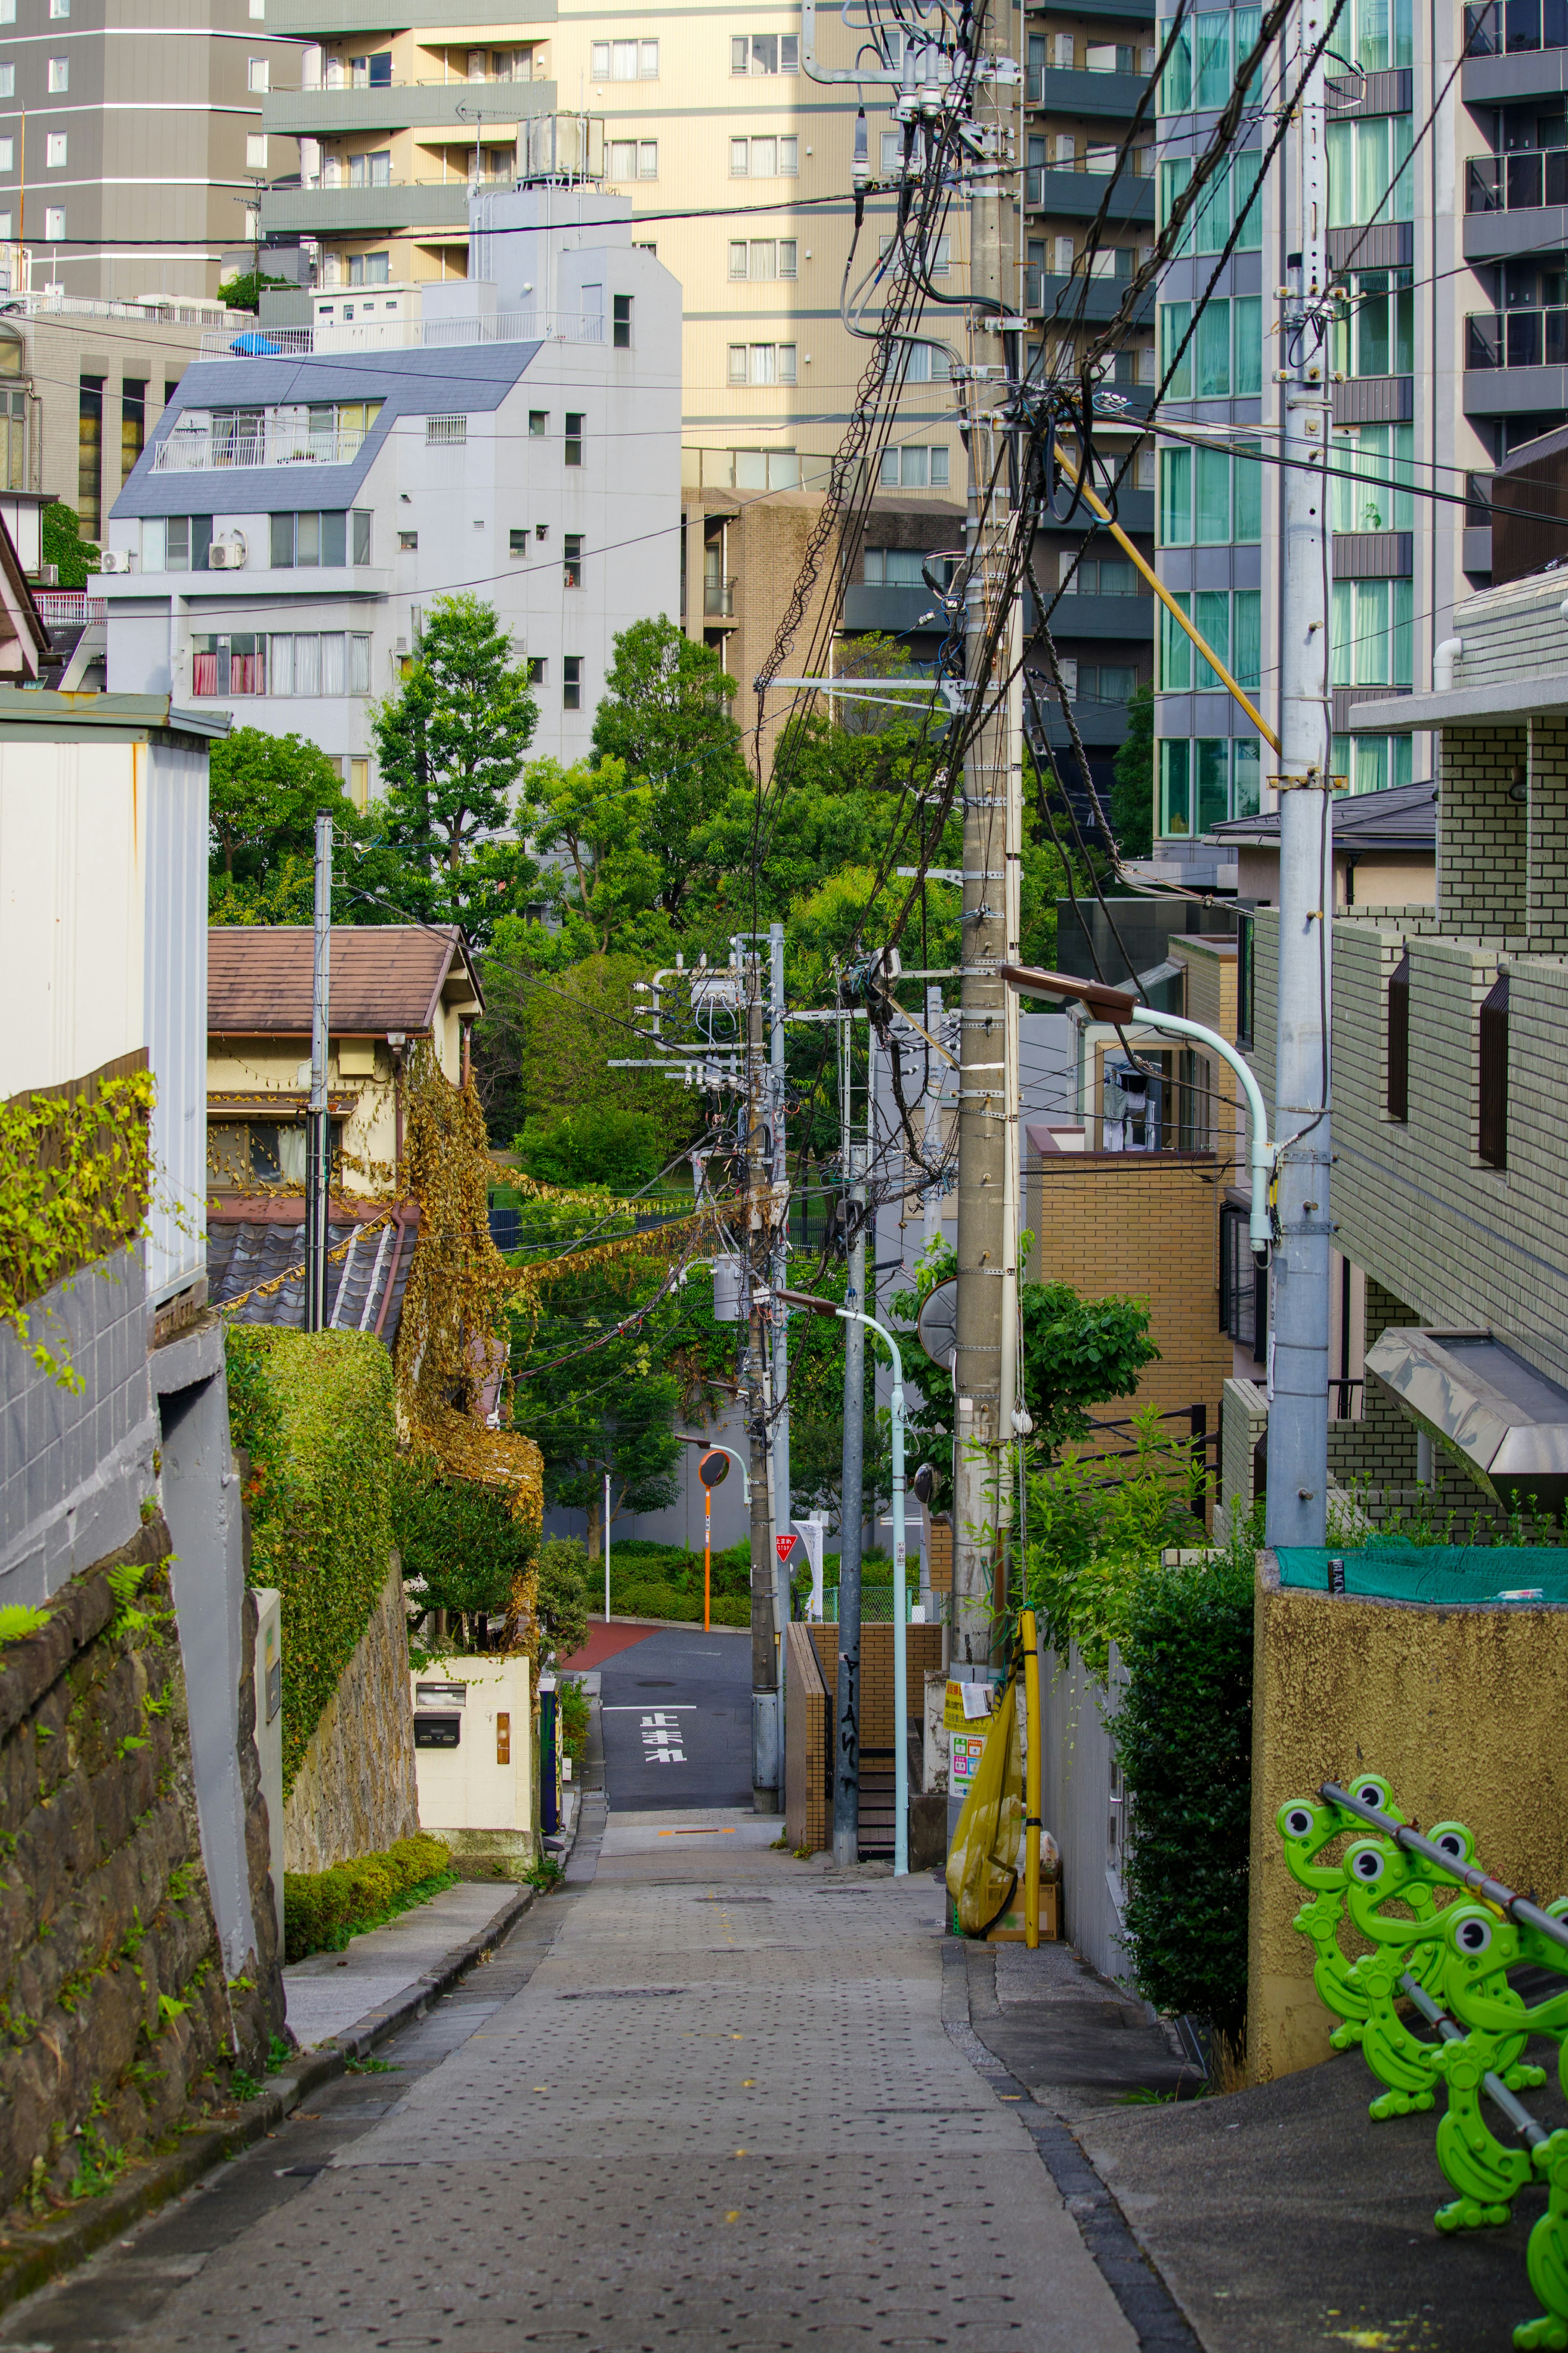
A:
{"x":365,"y":1283}
{"x":383,"y":976}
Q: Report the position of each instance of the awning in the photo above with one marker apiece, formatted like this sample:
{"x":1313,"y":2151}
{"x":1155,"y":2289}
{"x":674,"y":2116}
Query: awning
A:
{"x":1507,"y":1423}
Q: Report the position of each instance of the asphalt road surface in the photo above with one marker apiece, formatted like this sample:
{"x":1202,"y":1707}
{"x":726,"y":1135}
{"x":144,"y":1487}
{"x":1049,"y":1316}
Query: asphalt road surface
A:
{"x":677,"y":1721}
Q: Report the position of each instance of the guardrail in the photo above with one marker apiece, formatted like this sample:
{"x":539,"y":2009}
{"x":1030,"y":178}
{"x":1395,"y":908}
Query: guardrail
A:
{"x":406,"y":335}
{"x":1450,"y":1962}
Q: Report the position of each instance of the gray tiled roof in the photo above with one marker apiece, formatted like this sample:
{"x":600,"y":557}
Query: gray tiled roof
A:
{"x":241,"y":1256}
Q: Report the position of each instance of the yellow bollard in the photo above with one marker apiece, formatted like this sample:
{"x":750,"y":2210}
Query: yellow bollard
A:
{"x":1031,"y":1783}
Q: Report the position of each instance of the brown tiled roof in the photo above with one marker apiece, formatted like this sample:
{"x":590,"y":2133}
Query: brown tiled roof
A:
{"x":383,"y":976}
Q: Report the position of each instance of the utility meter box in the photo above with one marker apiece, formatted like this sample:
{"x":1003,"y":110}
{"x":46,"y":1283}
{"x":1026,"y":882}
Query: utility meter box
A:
{"x":473,"y":1757}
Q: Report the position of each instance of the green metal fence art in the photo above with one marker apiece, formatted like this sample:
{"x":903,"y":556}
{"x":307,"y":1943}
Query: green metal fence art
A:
{"x":1445,"y":1939}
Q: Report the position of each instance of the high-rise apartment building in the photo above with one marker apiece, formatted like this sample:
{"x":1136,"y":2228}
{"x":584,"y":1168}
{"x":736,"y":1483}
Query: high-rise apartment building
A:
{"x":131,"y":141}
{"x":1448,"y":220}
{"x":1085,"y":70}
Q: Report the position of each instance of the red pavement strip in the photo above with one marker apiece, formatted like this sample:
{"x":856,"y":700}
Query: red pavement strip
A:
{"x":603,"y":1644}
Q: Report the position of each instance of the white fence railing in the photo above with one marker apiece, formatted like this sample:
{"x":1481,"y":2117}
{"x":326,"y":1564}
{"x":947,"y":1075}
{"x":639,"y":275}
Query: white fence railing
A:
{"x":406,"y":335}
{"x":70,"y":609}
{"x":204,"y":452}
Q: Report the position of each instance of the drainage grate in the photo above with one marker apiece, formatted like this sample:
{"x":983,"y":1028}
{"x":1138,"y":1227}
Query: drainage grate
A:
{"x":621,"y":1993}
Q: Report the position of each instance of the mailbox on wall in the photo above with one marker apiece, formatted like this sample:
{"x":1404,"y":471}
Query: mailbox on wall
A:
{"x":474,"y":1759}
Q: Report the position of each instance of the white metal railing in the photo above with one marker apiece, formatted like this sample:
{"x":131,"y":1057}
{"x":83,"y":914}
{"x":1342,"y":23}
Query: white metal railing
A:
{"x":405,"y":335}
{"x":65,"y":608}
{"x":201,"y":451}
{"x":50,"y":302}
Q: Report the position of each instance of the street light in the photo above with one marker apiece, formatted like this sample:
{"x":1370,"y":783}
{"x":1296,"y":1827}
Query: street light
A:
{"x":1115,"y":1004}
{"x":900,"y":1642}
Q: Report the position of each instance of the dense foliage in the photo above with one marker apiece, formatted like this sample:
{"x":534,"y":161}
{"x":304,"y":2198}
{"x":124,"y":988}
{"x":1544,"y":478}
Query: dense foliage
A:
{"x":1184,"y":1742}
{"x":313,"y":1413}
{"x":322,"y":1909}
{"x":1133,"y":792}
{"x":562,"y":1596}
{"x":1096,"y":1528}
{"x":62,"y":545}
{"x":461,"y":1546}
{"x":75,"y":1182}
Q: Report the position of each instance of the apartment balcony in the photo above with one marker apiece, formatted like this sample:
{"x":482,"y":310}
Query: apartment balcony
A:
{"x":1516,"y":203}
{"x":1067,"y":91}
{"x":1077,"y":194}
{"x":718,"y":600}
{"x":409,"y":106}
{"x":1100,"y":725}
{"x":324,"y":20}
{"x":406,"y":334}
{"x":1128,"y":619}
{"x":278,"y":443}
{"x":895,"y":611}
{"x":367,"y":211}
{"x":1045,"y":291}
{"x":1516,"y":362}
{"x":1517,"y":49}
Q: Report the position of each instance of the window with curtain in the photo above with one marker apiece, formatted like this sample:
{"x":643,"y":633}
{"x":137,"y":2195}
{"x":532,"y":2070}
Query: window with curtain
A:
{"x":1366,"y":463}
{"x":1369,"y":632}
{"x":1175,"y":176}
{"x":1363,"y":157}
{"x":1175,"y":468}
{"x":1383,"y":35}
{"x":1374,"y":333}
{"x":1175,"y":317}
{"x":1176,"y":85}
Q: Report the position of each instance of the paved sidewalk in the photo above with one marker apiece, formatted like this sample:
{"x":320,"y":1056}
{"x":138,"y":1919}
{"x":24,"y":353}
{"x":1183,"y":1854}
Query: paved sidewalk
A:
{"x":333,"y":1991}
{"x":704,"y":2103}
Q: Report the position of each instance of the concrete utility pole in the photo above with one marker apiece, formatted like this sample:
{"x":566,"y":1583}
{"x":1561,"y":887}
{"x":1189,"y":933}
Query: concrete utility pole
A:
{"x":1298,"y":1289}
{"x":986,"y":1141}
{"x":757,"y":1237}
{"x":317,"y":1125}
{"x":846,"y":1769}
{"x":784,"y":1517}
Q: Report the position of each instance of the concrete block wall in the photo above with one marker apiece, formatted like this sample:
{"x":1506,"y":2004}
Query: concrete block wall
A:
{"x":1546,"y":815}
{"x":1244,"y":1417}
{"x":76,"y":1466}
{"x":1480,"y":829}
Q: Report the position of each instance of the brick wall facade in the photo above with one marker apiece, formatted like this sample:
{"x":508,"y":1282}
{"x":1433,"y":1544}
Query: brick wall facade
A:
{"x":1481,"y":830}
{"x":1546,"y":915}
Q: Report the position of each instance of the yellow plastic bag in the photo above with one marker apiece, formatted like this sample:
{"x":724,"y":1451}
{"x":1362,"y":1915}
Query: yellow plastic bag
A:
{"x":983,"y":1861}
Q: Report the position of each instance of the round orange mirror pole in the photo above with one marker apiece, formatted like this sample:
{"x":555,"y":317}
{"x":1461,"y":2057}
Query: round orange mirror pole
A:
{"x":706,"y":1554}
{"x":1031,"y":1781}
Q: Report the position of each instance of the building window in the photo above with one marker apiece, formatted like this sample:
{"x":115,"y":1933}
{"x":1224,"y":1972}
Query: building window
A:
{"x":575,"y":420}
{"x":58,"y":74}
{"x":408,"y":541}
{"x":535,"y":666}
{"x":59,"y":8}
{"x":634,"y":159}
{"x":1230,"y":621}
{"x":1492,"y":1142}
{"x":255,"y":150}
{"x":1202,"y":72}
{"x":1098,"y":576}
{"x":625,"y":61}
{"x":309,"y":540}
{"x":1370,"y":764}
{"x":1210,"y":497}
{"x":53,"y":223}
{"x":914,"y":467}
{"x":259,"y":77}
{"x":572,"y":682}
{"x":1366,"y":178}
{"x":898,"y":568}
{"x":55,"y":147}
{"x":765,"y":53}
{"x":331,"y":662}
{"x":1371,"y":626}
{"x":233,"y":663}
{"x":764,"y":159}
{"x":1243,"y":1285}
{"x":621,"y":321}
{"x":1245,"y":977}
{"x":8,"y":81}
{"x":538,"y":423}
{"x":935,"y":256}
{"x":764,"y":257}
{"x":90,"y":454}
{"x":517,"y":544}
{"x":370,"y":268}
{"x":1224,"y":358}
{"x":1374,"y":331}
{"x":1397,"y":1097}
{"x":448,"y":432}
{"x":1231,"y":195}
{"x":133,"y":425}
{"x":1205,"y":780}
{"x":371,"y":171}
{"x":360,"y":521}
{"x":175,"y":542}
{"x":763,"y":363}
{"x":572,"y":561}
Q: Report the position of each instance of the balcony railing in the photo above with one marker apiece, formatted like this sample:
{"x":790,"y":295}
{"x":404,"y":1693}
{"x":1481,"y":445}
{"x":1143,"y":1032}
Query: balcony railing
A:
{"x":204,"y":452}
{"x":70,"y":609}
{"x":1516,"y":339}
{"x":1524,"y":180}
{"x":717,"y":599}
{"x":1142,"y":160}
{"x":399,"y":334}
{"x":1502,"y":27}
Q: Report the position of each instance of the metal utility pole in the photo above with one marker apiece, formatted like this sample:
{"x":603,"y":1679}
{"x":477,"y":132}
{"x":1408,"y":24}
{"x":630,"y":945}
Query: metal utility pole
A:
{"x":986,"y":1143}
{"x":317,"y":1125}
{"x":756,"y":1236}
{"x":846,"y":1768}
{"x":779,"y":1174}
{"x":1299,"y":1336}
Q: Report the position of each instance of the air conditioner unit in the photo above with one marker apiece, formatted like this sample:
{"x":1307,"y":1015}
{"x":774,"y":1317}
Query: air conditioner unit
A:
{"x":48,"y":575}
{"x":117,"y":559}
{"x":227,"y":554}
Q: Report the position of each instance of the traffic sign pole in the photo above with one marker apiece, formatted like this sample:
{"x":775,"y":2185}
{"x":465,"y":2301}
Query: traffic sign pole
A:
{"x":707,"y":1557}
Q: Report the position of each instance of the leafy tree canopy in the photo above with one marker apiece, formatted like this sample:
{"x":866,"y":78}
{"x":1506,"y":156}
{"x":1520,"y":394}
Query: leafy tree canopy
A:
{"x":61,"y":544}
{"x":1132,"y":794}
{"x":604,"y":1144}
{"x":243,"y":292}
{"x":461,"y":1548}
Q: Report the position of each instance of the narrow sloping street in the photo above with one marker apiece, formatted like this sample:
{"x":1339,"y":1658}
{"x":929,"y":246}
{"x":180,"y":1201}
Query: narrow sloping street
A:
{"x":701,"y":2096}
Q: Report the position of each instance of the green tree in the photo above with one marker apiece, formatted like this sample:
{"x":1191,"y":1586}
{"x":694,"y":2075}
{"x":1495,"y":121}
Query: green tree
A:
{"x":266,"y":792}
{"x":602,"y":1144}
{"x":605,"y":885}
{"x":666,"y":716}
{"x":243,"y":292}
{"x":563,"y":1598}
{"x":61,"y":544}
{"x":460,"y":1547}
{"x":1133,"y":792}
{"x":450,"y":744}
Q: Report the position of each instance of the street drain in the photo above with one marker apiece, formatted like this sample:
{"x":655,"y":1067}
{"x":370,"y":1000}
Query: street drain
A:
{"x":656,"y":1686}
{"x":621,"y":1993}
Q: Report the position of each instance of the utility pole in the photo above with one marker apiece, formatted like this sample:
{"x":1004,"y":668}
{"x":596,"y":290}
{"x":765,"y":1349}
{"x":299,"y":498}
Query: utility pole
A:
{"x":317,"y":1125}
{"x":846,"y":1769}
{"x":1298,"y":1289}
{"x":986,"y":1141}
{"x":779,"y":1174}
{"x":756,"y":1240}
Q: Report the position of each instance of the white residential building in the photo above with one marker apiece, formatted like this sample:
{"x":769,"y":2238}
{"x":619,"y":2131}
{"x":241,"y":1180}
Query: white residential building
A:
{"x":311,"y":490}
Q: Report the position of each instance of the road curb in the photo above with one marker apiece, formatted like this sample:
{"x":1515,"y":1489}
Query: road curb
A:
{"x":50,"y":2248}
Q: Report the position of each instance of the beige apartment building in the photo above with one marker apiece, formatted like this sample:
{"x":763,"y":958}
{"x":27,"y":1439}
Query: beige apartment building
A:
{"x":736,"y":167}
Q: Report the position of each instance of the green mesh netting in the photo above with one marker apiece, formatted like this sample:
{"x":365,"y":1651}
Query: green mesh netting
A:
{"x":1503,"y":1573}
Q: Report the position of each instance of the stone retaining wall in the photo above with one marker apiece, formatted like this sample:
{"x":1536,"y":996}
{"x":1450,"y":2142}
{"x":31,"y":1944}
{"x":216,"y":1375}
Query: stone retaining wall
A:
{"x":355,"y":1791}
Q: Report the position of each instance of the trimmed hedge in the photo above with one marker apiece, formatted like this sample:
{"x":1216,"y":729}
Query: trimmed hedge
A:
{"x":1184,"y":1741}
{"x":322,"y":1909}
{"x":314,"y":1412}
